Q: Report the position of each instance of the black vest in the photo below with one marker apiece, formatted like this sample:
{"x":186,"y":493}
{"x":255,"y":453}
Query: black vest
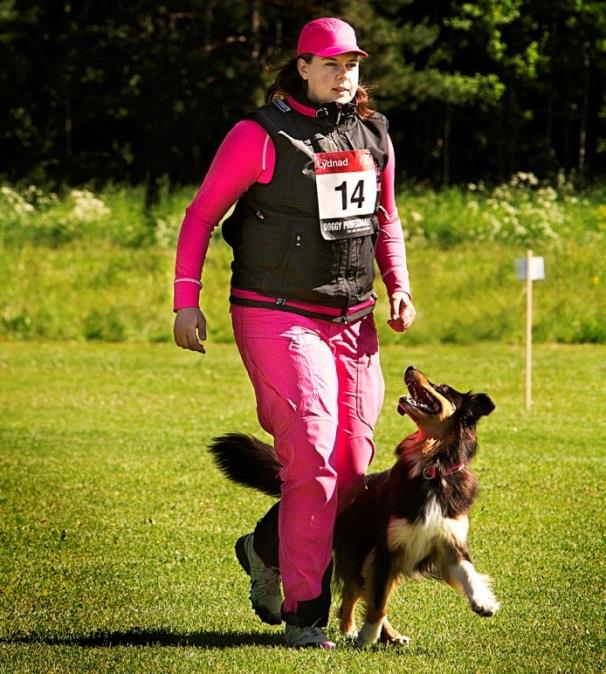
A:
{"x":275,"y":232}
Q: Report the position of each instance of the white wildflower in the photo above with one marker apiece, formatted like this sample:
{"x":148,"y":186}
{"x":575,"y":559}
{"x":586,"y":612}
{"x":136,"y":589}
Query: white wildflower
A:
{"x":88,"y":207}
{"x":17,"y":204}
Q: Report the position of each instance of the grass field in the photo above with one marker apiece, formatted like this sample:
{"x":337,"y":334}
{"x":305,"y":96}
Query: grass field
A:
{"x":117,"y":532}
{"x":99,"y":266}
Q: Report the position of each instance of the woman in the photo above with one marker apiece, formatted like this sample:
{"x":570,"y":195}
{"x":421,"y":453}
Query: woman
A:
{"x":313,"y":173}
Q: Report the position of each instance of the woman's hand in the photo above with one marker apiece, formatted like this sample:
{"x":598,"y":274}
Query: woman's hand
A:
{"x":402,"y":312}
{"x":190,"y":329}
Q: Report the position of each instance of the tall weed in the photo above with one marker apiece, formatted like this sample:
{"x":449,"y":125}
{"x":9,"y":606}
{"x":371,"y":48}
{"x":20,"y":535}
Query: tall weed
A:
{"x":116,"y":215}
{"x":522,"y":211}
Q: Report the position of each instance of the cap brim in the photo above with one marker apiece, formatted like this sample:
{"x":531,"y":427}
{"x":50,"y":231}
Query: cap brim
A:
{"x":341,"y":49}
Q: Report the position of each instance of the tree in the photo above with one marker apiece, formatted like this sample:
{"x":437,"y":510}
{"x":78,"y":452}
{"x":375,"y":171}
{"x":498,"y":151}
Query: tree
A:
{"x":136,"y":91}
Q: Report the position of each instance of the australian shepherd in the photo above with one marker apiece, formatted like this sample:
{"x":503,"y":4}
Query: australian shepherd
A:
{"x":411,"y":520}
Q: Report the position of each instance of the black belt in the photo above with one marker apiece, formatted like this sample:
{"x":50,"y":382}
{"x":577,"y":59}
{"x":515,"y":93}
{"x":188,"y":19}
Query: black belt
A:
{"x":281,"y":304}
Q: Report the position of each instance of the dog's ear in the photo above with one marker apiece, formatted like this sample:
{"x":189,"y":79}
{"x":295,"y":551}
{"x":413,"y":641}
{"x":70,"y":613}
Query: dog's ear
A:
{"x":480,"y":405}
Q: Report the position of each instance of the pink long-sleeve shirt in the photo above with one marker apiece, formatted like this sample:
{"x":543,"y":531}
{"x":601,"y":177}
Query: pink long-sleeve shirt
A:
{"x":247,"y":155}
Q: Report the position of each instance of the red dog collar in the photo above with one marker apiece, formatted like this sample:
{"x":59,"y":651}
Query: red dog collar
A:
{"x":432,"y":471}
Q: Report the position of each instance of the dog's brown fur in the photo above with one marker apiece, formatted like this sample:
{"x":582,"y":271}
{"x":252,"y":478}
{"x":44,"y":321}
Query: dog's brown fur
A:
{"x":411,"y":520}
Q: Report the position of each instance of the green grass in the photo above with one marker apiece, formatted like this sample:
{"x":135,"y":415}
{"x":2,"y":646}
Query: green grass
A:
{"x":464,"y":294}
{"x":116,"y":532}
{"x":84,"y":266}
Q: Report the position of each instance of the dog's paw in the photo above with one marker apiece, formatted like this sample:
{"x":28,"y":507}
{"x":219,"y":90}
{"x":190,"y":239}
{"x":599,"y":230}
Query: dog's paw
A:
{"x":485,"y":606}
{"x":351,"y":635}
{"x":481,"y":599}
{"x":391,"y":636}
{"x":398,"y":640}
{"x":368,"y":635}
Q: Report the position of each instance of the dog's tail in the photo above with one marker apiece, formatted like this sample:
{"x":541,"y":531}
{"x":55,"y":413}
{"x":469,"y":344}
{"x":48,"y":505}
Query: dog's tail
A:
{"x":248,"y":461}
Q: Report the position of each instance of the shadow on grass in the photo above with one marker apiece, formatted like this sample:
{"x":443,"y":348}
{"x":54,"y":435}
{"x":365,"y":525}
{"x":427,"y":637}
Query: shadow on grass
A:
{"x":142,"y":637}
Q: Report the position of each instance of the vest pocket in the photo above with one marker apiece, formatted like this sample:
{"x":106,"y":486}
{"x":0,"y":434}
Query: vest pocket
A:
{"x":262,"y":257}
{"x":293,"y":259}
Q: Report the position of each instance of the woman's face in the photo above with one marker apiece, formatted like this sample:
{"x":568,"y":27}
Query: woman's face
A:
{"x":331,"y":79}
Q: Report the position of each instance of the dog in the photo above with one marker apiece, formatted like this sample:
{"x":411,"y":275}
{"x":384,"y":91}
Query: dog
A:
{"x":410,"y":521}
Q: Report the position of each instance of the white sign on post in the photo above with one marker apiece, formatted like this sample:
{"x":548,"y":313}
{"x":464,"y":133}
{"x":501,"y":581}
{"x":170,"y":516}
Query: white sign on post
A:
{"x":529,"y":269}
{"x":537,"y":268}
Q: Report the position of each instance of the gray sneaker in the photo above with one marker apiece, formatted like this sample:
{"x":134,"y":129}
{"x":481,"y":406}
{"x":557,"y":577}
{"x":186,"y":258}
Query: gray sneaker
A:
{"x":265,"y":588}
{"x":307,"y":637}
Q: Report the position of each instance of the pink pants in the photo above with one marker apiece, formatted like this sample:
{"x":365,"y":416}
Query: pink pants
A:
{"x":319,"y":390}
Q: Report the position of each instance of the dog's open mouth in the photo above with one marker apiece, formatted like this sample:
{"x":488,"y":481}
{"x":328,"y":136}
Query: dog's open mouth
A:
{"x":420,"y":398}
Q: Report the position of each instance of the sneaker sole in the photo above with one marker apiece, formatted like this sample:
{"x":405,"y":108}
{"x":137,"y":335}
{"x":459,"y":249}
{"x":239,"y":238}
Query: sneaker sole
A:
{"x":264,"y":614}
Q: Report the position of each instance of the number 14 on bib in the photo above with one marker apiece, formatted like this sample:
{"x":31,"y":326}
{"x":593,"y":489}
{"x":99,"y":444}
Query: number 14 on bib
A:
{"x":346,"y":184}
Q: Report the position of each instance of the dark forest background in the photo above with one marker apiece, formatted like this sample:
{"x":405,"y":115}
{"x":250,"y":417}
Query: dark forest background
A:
{"x":142,"y":92}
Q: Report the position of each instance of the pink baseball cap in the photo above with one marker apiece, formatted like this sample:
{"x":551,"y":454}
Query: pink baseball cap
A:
{"x":328,"y":37}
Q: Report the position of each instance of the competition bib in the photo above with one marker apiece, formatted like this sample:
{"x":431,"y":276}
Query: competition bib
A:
{"x":346,"y":183}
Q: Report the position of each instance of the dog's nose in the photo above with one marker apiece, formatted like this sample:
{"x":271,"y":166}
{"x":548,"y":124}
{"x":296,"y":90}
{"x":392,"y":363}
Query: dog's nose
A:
{"x":410,"y":368}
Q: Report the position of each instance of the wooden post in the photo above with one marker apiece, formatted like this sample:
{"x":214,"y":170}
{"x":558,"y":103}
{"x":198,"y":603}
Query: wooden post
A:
{"x":529,"y":269}
{"x":528,"y":330}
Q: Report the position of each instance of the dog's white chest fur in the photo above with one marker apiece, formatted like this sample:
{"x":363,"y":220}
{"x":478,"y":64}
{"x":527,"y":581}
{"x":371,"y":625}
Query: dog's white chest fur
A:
{"x":412,"y":543}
